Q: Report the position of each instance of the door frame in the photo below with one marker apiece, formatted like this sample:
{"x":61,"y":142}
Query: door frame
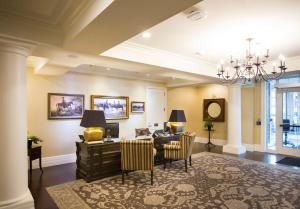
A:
{"x":279,"y":104}
{"x":165,"y":105}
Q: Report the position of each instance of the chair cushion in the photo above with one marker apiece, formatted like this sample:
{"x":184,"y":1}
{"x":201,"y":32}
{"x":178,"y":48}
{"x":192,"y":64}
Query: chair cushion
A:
{"x":172,"y":146}
{"x":142,"y":132}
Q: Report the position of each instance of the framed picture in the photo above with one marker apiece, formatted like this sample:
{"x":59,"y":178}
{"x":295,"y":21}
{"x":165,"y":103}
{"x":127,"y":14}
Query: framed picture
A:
{"x":214,"y":109}
{"x":114,"y":107}
{"x":65,"y":106}
{"x":137,"y":107}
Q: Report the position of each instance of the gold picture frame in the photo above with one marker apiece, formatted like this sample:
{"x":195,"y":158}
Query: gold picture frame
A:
{"x":65,"y":106}
{"x":114,"y":107}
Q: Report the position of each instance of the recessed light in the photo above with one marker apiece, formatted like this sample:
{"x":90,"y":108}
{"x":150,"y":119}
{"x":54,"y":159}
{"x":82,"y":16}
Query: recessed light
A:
{"x":146,"y":35}
{"x":108,"y":69}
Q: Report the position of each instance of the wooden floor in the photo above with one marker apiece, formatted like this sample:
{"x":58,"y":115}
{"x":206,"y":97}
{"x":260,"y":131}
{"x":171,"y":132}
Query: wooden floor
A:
{"x":64,"y":173}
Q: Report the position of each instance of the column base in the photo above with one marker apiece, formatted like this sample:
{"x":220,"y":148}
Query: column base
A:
{"x":26,"y":203}
{"x":234,"y":149}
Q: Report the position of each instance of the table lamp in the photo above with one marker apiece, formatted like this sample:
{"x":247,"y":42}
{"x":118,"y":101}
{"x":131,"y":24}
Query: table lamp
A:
{"x":177,"y":118}
{"x":94,"y":123}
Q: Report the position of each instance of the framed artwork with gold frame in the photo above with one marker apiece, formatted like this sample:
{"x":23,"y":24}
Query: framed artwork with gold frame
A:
{"x":114,"y":107}
{"x":65,"y":106}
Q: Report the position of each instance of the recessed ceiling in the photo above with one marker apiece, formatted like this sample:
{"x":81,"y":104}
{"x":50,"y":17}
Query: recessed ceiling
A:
{"x":272,"y":23}
{"x":48,"y":11}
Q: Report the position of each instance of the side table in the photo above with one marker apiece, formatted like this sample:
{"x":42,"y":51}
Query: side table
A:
{"x":34,"y":153}
{"x":209,"y":139}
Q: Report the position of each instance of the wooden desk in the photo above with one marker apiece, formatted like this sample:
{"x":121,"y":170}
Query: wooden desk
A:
{"x":95,"y":161}
{"x":34,"y":153}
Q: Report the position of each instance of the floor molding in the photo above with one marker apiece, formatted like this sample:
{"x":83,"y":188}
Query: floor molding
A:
{"x":219,"y":142}
{"x":254,"y":147}
{"x":55,"y":160}
{"x":25,"y":203}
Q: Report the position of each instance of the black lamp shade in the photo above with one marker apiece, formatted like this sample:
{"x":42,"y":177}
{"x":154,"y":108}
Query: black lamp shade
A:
{"x":93,"y":118}
{"x":177,"y":116}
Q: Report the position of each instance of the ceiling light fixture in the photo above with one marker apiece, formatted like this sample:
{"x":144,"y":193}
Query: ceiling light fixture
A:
{"x":108,"y":69}
{"x":146,"y":35}
{"x":251,"y":68}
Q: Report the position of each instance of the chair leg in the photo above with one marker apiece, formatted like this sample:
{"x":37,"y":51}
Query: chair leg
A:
{"x":170,"y":161}
{"x":122,"y":176}
{"x":126,"y":172}
{"x":185,"y":162}
{"x":152,"y":177}
{"x":190,"y":160}
{"x":164,"y":163}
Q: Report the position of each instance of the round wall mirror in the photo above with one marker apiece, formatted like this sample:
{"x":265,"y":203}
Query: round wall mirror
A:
{"x":214,"y":110}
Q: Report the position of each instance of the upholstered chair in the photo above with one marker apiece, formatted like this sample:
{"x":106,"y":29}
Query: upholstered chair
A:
{"x":137,"y":155}
{"x":180,"y":150}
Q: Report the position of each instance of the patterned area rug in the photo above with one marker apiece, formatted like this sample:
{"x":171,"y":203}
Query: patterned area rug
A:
{"x":214,"y":181}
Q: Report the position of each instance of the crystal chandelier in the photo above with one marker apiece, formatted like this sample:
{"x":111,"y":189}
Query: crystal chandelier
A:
{"x":251,"y":68}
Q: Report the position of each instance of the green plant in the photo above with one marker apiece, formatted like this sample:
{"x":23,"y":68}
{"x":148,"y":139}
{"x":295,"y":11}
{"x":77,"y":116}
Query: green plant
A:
{"x":33,"y":138}
{"x":209,"y":123}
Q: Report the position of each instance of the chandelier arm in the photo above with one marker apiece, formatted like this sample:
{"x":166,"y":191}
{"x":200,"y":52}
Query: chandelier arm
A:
{"x":246,"y":72}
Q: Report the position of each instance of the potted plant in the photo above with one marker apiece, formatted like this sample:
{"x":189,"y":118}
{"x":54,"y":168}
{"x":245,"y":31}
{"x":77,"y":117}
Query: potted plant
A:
{"x":209,"y":124}
{"x":32,"y":139}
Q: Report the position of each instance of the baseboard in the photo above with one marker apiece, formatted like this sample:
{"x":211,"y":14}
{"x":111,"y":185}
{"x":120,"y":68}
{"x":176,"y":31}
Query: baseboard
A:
{"x":254,"y":147}
{"x":219,"y":142}
{"x":25,"y":203}
{"x":55,"y":160}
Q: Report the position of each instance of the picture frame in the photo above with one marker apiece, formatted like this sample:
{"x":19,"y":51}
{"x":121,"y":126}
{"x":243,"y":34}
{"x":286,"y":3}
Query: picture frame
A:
{"x":65,"y":106}
{"x":114,"y":107}
{"x":214,"y":110}
{"x":137,"y":107}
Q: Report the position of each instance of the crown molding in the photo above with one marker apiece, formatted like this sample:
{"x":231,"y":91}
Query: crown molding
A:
{"x":16,"y":45}
{"x":158,"y":57}
{"x":74,"y":14}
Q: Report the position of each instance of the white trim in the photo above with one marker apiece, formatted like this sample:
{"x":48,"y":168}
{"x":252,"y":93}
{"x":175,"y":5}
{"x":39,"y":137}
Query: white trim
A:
{"x":263,"y":117}
{"x":219,"y":142}
{"x":25,"y":203}
{"x":287,"y":85}
{"x":153,"y":56}
{"x":55,"y":160}
{"x":254,"y":147}
{"x":249,"y":147}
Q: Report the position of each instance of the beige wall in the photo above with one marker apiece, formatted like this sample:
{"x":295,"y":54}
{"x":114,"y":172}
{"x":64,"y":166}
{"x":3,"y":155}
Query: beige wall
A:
{"x":59,"y":135}
{"x":190,"y":99}
{"x":251,"y":112}
{"x":247,"y":115}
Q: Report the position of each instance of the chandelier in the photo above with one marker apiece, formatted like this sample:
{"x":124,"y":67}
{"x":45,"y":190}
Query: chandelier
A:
{"x":251,"y":68}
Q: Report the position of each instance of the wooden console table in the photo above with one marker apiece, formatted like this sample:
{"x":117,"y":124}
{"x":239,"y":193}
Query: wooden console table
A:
{"x":34,"y":153}
{"x":95,"y":161}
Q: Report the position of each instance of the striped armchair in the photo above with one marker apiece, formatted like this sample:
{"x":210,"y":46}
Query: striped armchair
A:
{"x":180,"y":150}
{"x":137,"y":155}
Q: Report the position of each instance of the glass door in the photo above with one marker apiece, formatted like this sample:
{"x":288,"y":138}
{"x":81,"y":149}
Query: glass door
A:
{"x":288,"y":121}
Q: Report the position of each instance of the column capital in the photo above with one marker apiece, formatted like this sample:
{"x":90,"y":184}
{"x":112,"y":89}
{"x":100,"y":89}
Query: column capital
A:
{"x":18,"y":46}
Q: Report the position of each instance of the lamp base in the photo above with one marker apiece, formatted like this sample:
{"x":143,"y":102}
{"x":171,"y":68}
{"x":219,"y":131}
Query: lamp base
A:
{"x":177,"y":128}
{"x":93,"y":134}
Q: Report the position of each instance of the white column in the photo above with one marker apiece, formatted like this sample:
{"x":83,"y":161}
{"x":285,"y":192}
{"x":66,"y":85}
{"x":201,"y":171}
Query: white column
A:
{"x":234,"y":127}
{"x":14,"y":192}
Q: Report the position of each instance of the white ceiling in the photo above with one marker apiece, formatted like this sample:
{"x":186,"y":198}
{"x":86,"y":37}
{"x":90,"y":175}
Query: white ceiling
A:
{"x":273,"y":23}
{"x":70,"y":34}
